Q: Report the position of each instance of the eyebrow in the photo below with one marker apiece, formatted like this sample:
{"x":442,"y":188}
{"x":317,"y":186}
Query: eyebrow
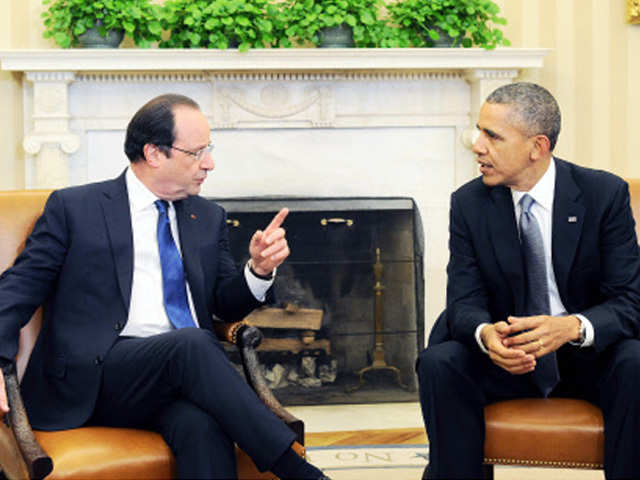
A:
{"x":489,"y":132}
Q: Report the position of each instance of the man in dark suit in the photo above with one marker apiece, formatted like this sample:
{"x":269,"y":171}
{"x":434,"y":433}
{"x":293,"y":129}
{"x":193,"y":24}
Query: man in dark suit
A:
{"x":133,"y":272}
{"x":543,"y":292}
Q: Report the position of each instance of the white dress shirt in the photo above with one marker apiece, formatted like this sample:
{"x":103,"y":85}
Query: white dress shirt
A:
{"x":147,"y":315}
{"x":542,"y":209}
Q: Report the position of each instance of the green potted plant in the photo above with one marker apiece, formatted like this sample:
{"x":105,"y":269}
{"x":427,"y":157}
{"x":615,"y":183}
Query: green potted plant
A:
{"x":220,"y":24}
{"x":457,"y":22}
{"x":357,"y":20}
{"x":68,"y":21}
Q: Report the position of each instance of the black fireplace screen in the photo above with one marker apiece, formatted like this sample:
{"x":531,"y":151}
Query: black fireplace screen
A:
{"x":345,"y":319}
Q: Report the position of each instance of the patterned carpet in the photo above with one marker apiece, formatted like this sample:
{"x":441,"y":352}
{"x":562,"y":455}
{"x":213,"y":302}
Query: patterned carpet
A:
{"x":407,"y":462}
{"x":370,"y":462}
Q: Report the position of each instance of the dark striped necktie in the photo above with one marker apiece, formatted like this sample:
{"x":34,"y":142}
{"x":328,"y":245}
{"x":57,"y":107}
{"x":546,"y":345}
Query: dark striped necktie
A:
{"x":546,"y":374}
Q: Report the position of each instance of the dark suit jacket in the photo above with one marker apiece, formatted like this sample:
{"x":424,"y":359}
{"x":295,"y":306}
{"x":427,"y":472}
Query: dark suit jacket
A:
{"x":594,"y":255}
{"x":79,"y":262}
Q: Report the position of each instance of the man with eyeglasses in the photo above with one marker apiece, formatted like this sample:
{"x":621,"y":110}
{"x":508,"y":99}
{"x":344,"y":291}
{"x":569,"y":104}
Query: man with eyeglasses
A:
{"x":134,"y":271}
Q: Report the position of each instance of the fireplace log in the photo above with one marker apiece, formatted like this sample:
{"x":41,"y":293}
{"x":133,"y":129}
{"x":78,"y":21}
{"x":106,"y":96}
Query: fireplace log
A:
{"x":302,"y":318}
{"x":293,"y":345}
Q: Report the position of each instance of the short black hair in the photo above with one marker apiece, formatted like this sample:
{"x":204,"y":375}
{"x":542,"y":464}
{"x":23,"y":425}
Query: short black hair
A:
{"x":154,"y":123}
{"x":535,"y":109}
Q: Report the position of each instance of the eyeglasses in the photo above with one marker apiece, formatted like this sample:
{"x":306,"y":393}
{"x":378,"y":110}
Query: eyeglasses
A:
{"x":198,"y":154}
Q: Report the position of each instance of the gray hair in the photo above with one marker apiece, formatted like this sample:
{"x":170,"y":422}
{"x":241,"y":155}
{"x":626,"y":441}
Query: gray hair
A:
{"x":535,"y":109}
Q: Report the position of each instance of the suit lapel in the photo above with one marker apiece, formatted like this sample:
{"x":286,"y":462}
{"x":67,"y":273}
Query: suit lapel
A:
{"x":568,"y":219}
{"x":504,"y":238}
{"x":188,"y":229}
{"x":115,"y":207}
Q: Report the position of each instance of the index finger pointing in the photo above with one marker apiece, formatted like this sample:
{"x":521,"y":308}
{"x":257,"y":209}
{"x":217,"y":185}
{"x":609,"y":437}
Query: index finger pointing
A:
{"x":277,"y":220}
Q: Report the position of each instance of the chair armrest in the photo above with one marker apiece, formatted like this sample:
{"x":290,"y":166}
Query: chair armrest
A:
{"x":247,"y":338}
{"x":33,"y":459}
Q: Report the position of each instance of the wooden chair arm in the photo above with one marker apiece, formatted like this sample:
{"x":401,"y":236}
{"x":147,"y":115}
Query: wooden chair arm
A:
{"x":247,"y":338}
{"x":229,"y":331}
{"x":33,"y":458}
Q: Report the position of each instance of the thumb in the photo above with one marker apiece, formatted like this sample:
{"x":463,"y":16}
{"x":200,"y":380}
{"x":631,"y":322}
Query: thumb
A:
{"x":502,"y":327}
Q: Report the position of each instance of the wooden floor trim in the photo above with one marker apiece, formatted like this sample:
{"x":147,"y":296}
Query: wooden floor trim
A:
{"x":393,"y":436}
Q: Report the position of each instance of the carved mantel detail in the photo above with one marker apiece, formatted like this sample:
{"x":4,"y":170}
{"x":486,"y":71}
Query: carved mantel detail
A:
{"x":51,"y":139}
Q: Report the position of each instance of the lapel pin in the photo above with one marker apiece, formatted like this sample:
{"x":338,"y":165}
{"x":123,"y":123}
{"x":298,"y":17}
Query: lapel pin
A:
{"x":572,"y":219}
{"x":193,"y":216}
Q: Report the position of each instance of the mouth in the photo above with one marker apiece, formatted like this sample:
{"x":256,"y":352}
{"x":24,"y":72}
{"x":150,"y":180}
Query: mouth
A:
{"x":484,"y":167}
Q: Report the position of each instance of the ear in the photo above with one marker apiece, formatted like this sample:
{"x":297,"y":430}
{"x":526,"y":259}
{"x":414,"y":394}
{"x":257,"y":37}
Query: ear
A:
{"x":152,"y":154}
{"x":540,"y":147}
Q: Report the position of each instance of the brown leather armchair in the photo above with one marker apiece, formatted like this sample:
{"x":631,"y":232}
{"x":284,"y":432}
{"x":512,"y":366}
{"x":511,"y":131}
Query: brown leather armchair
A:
{"x":566,"y":433}
{"x":99,"y":452}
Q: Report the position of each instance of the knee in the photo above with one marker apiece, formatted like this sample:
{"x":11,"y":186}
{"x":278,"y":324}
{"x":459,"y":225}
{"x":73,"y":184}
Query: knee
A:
{"x":194,"y":339}
{"x":435,"y":359}
{"x":626,"y":361}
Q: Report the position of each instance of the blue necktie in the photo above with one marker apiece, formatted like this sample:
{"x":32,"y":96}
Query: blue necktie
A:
{"x":546,"y":374}
{"x":173,"y":285}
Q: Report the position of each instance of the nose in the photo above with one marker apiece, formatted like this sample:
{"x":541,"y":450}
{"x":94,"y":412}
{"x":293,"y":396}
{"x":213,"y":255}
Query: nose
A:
{"x":207,"y":162}
{"x":479,"y":148}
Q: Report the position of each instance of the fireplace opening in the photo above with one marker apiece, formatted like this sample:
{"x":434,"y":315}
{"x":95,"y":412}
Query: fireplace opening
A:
{"x":345,"y":320}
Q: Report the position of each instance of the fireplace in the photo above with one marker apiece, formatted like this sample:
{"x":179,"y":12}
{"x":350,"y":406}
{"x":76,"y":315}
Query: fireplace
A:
{"x":344,"y":322}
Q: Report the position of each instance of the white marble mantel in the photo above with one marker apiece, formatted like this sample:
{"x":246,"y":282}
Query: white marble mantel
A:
{"x":265,"y":60}
{"x":286,"y":122}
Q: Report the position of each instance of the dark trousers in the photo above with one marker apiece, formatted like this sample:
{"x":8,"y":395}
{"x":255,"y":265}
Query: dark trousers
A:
{"x":457,"y":381}
{"x":182,"y":385}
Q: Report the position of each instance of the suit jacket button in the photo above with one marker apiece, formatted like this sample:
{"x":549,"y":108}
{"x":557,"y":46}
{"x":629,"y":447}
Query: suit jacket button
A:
{"x":98,"y":361}
{"x":118,"y":326}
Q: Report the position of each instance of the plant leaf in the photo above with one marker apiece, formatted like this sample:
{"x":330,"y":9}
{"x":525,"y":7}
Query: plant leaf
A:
{"x":62,"y":39}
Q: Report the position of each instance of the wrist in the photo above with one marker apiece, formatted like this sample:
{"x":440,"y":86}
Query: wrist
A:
{"x":578,"y":331}
{"x":260,"y":272}
{"x":484,"y":335}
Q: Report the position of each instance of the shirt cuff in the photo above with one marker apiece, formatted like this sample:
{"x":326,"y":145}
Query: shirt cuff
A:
{"x":589,"y":334}
{"x":479,"y":338}
{"x":258,"y":286}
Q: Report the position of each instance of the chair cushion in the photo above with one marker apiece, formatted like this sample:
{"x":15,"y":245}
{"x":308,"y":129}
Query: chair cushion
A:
{"x":107,"y":453}
{"x":119,"y":453}
{"x":555,"y":432}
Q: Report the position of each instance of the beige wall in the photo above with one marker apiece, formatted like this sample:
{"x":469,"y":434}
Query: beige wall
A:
{"x":594,"y":72}
{"x":593,"y":69}
{"x":20,"y":27}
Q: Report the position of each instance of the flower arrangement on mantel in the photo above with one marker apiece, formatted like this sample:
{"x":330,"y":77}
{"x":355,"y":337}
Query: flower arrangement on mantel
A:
{"x":249,"y":24}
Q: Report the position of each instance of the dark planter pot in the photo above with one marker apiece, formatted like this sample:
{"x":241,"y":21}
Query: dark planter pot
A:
{"x":92,"y":39}
{"x":340,"y":36}
{"x":445,"y":40}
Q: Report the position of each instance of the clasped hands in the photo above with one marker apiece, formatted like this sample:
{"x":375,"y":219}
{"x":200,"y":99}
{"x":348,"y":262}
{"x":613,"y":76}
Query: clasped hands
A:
{"x":268,"y":248}
{"x":516,"y":344}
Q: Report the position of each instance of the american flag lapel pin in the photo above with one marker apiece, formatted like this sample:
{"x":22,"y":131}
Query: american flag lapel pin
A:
{"x":572,"y":219}
{"x":193,"y":216}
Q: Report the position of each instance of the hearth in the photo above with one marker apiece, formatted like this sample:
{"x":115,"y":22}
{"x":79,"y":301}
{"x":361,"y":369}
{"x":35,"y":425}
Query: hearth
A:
{"x":345,"y":320}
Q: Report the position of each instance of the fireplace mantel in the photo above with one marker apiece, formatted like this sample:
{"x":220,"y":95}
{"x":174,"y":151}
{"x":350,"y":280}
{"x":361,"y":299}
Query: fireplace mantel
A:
{"x":299,"y":60}
{"x":292,"y":122}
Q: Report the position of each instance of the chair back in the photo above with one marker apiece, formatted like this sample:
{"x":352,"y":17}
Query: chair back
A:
{"x":19,"y":211}
{"x":634,"y":191}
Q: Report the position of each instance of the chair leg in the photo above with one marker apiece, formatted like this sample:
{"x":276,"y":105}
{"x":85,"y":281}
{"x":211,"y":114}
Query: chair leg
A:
{"x":487,"y":470}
